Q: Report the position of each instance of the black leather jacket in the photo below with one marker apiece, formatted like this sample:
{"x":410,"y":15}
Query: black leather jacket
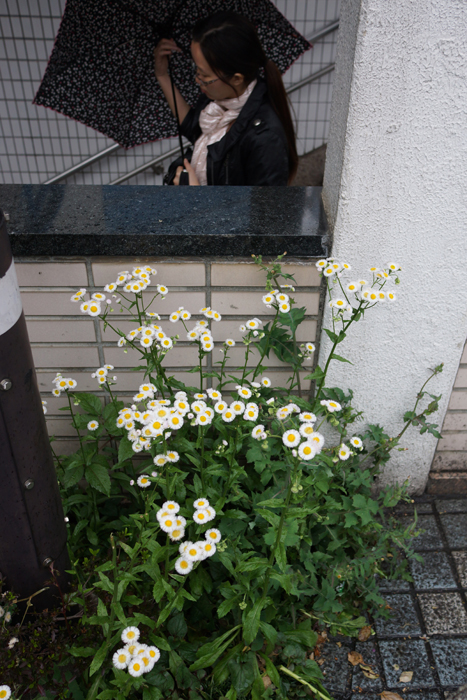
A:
{"x":253,"y":152}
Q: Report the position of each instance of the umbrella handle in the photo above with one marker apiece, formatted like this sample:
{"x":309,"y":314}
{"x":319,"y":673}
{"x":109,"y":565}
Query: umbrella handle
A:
{"x":176,"y":113}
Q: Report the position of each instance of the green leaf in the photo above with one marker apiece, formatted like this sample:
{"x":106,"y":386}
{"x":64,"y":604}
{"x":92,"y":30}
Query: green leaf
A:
{"x":210,"y":652}
{"x":177,"y":626}
{"x":227,"y":605}
{"x":91,"y":404}
{"x":332,"y":336}
{"x":98,"y":477}
{"x":307,"y":638}
{"x":99,"y":659}
{"x":269,"y":632}
{"x":82,"y":651}
{"x":72,"y":475}
{"x":317,"y":374}
{"x":252,"y":620}
{"x":281,"y":556}
{"x":334,"y":356}
{"x":151,"y":693}
{"x":160,"y":642}
{"x":125,"y":449}
{"x":253,"y":565}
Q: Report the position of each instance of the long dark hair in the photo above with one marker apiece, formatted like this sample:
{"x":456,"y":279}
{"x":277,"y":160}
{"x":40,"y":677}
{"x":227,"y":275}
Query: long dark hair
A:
{"x":230,"y":45}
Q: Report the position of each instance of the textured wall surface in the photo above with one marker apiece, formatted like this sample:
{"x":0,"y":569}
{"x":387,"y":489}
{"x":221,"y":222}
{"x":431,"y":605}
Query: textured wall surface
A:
{"x":63,"y":339}
{"x":401,"y":196}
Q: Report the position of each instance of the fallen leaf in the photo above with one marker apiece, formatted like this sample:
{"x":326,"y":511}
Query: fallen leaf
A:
{"x":312,"y":656}
{"x":339,"y":644}
{"x":320,"y":662}
{"x":406,"y":677}
{"x":387,"y":695}
{"x":354,"y":658}
{"x":370,"y":674}
{"x":365,"y":667}
{"x":396,"y":667}
{"x":267,"y":682}
{"x":364,"y":633}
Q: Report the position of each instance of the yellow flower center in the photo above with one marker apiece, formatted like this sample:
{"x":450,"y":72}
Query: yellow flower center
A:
{"x":130,"y":635}
{"x":213,"y":535}
{"x":183,"y":564}
{"x":291,"y":438}
{"x":168,"y":523}
{"x":200,"y":516}
{"x":208,"y":547}
{"x":152,"y":653}
{"x":306,"y":450}
{"x":145,"y":660}
{"x":192,"y":552}
{"x":170,"y":506}
{"x":2,"y":693}
{"x":122,"y":658}
{"x":144,"y":481}
{"x":176,"y":533}
{"x":131,"y":649}
{"x":200,"y":504}
{"x":136,"y":666}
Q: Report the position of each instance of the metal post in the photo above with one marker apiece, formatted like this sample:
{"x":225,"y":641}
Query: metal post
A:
{"x":32,"y":527}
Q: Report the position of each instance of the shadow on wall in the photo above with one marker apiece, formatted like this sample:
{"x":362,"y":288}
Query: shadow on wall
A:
{"x":311,"y":168}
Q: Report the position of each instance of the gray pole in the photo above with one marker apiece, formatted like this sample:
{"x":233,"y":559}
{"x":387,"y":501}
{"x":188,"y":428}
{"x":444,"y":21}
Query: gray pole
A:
{"x":32,"y":527}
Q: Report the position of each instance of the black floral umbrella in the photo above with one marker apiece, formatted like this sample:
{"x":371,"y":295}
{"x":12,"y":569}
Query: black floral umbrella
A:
{"x":101,"y":69}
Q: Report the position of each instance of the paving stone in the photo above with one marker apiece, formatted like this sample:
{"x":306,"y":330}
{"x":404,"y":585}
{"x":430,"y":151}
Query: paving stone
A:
{"x":430,"y":538}
{"x":444,"y":613}
{"x":461,"y":562}
{"x":434,"y":572}
{"x":406,"y":655}
{"x":403,"y":621}
{"x":336,"y":668}
{"x":370,"y":657}
{"x":455,"y":527}
{"x":452,"y":506}
{"x":459,"y":694}
{"x":395,"y":585}
{"x":451,"y":660}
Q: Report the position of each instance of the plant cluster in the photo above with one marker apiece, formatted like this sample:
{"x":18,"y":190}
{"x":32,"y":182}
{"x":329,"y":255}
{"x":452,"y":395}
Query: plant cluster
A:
{"x":299,"y":540}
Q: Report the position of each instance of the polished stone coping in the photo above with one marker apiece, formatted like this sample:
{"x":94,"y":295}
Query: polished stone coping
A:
{"x":70,"y":220}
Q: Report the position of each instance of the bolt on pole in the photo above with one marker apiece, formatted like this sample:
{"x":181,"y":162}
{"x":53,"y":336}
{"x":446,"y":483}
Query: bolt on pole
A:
{"x":32,"y":528}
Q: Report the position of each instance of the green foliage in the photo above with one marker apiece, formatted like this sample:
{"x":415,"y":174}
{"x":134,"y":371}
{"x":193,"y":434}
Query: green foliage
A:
{"x":303,"y":539}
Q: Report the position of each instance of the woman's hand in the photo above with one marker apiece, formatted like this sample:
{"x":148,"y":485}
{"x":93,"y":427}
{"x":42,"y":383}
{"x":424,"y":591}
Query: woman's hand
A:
{"x":191,"y":174}
{"x":162,"y":53}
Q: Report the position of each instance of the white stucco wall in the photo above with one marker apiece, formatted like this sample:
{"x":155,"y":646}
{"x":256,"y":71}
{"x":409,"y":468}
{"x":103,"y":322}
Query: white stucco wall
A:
{"x":395,"y":189}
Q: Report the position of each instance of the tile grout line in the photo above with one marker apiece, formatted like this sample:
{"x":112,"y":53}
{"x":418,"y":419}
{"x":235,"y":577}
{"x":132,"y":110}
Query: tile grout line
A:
{"x":448,"y":549}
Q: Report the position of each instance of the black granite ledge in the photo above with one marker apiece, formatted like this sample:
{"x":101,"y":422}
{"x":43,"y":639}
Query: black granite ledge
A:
{"x":70,"y":220}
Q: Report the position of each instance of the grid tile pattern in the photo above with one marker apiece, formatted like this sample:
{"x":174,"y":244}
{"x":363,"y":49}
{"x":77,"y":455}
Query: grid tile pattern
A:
{"x":37,"y":143}
{"x":427,"y":630}
{"x":65,"y":340}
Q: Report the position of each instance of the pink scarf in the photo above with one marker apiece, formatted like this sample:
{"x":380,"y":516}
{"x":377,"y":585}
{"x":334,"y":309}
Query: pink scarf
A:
{"x":214,"y":121}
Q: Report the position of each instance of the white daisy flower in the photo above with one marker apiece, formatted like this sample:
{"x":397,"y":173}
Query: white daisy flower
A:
{"x":344,"y":452}
{"x":146,"y":341}
{"x":220,"y":407}
{"x":390,"y":296}
{"x":284,"y":307}
{"x":257,"y":431}
{"x":180,"y":521}
{"x":282,"y":413}
{"x":307,"y":450}
{"x":143,"y":481}
{"x":373,"y":269}
{"x":153,"y":653}
{"x":214,"y":394}
{"x":183,"y":565}
{"x":242,"y":328}
{"x":130,"y":635}
{"x":229,"y":342}
{"x":306,"y":430}
{"x":237,"y":407}
{"x":5,"y":692}
{"x":268,"y":299}
{"x":201,"y":504}
{"x":321,"y":264}
{"x":394,"y":267}
{"x":291,"y":438}
{"x":121,"y":658}
{"x":251,"y":413}
{"x":174,"y":316}
{"x":317,"y":440}
{"x":175,"y":421}
{"x":136,"y":667}
{"x":84,"y":307}
{"x":190,"y":552}
{"x":167,"y":524}
{"x":201,"y":516}
{"x":228,"y":415}
{"x":307,"y":417}
{"x":121,"y":342}
{"x":339,"y":303}
{"x":373,"y":295}
{"x":243,"y":391}
{"x":177,"y":534}
{"x":265,"y":381}
{"x":172,"y":456}
{"x":93,"y":425}
{"x":185,"y":315}
{"x":332,"y":406}
{"x":207,"y":344}
{"x":328,"y":271}
{"x":166,"y":343}
{"x":282,"y":297}
{"x":207,"y":549}
{"x":94,"y":308}
{"x":252,"y":324}
{"x":162,"y":289}
{"x":356,"y":442}
{"x":171,"y":507}
{"x":213,"y":535}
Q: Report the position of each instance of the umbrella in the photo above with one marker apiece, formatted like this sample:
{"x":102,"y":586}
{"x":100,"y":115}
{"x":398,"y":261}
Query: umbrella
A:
{"x":101,"y":69}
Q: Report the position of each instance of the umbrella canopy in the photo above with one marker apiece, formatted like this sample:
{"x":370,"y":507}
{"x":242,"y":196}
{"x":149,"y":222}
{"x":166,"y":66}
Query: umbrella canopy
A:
{"x":101,"y":69}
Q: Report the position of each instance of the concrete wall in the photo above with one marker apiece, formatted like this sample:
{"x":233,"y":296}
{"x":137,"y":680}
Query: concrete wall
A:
{"x":394,"y":189}
{"x":63,"y":339}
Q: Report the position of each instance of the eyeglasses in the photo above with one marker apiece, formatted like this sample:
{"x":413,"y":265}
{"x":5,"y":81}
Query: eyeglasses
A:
{"x":204,"y":83}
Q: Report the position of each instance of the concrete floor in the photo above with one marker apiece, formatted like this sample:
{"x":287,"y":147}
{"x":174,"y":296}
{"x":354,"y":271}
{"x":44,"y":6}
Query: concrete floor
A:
{"x":427,"y":633}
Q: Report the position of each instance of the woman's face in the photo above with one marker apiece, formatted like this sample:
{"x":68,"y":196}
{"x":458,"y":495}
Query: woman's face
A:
{"x":217,"y":90}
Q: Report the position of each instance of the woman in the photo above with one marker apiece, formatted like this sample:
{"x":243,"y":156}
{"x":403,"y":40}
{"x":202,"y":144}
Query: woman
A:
{"x":241,"y":126}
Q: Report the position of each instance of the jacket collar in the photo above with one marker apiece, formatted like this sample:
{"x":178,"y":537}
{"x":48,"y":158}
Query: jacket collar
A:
{"x":218,"y":150}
